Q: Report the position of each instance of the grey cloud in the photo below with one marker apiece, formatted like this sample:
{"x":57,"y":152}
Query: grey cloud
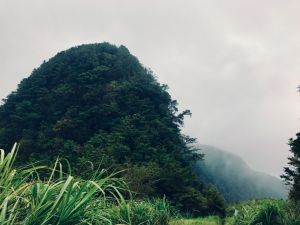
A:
{"x":235,"y":64}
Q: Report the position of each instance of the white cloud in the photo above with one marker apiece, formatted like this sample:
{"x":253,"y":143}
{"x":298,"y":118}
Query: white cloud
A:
{"x":235,"y":64}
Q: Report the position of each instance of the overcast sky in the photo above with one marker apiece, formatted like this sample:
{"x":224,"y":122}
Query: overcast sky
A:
{"x":235,"y":64}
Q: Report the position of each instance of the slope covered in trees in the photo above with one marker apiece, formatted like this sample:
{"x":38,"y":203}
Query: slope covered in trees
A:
{"x":97,"y":106}
{"x":235,"y":179}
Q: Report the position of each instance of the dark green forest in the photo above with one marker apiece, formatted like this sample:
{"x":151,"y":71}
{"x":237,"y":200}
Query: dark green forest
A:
{"x":97,"y":106}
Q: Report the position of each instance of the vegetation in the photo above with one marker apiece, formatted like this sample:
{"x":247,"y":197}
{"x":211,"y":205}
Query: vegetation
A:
{"x":210,"y":220}
{"x":234,"y":179}
{"x":266,"y":212}
{"x":292,"y":173}
{"x":97,"y":105}
{"x":64,"y":199}
{"x":148,"y":212}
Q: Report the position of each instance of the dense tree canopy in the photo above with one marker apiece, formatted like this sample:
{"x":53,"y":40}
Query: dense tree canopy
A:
{"x":96,"y":103}
{"x":292,"y":173}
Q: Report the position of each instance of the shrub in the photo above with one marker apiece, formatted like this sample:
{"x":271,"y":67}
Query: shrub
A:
{"x":146,"y":212}
{"x":267,"y":212}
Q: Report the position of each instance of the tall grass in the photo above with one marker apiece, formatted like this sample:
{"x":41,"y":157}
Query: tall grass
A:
{"x":209,"y":220}
{"x":267,"y":212}
{"x":146,"y":212}
{"x":62,"y":199}
{"x":132,"y":212}
{"x":13,"y":186}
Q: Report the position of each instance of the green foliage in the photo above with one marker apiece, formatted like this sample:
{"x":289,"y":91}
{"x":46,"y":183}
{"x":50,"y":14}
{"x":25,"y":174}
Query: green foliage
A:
{"x":148,"y":212}
{"x":143,"y":179}
{"x":97,"y":106}
{"x":267,"y":212}
{"x":64,"y":199}
{"x":210,"y":220}
{"x":292,"y":173}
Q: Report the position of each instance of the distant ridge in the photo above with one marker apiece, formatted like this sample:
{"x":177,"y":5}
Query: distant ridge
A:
{"x":234,"y":178}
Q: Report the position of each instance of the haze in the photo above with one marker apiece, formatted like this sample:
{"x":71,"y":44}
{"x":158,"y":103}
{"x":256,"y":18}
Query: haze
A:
{"x":234,"y":64}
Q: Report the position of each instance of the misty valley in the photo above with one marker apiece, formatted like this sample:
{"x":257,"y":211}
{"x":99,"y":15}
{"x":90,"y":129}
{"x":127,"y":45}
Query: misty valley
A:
{"x":92,"y":137}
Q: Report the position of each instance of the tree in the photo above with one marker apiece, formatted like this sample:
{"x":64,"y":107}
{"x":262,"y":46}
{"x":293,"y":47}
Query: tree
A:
{"x":291,"y":174}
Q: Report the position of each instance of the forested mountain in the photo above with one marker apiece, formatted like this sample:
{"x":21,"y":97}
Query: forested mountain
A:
{"x":97,"y":106}
{"x":234,"y":178}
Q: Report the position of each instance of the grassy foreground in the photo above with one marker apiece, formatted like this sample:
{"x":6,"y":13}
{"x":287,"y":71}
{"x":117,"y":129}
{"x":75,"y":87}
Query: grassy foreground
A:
{"x":211,"y":220}
{"x":267,"y":212}
{"x":61,"y":199}
{"x":254,"y":212}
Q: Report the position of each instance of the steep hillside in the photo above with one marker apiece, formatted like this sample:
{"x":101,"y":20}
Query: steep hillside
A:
{"x":234,"y":178}
{"x":97,"y":106}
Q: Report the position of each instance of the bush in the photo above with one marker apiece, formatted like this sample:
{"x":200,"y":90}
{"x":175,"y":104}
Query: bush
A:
{"x":146,"y":212}
{"x":267,"y":212}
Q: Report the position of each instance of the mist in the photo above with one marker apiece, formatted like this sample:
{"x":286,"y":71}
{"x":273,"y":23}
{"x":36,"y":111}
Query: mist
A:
{"x":234,"y":64}
{"x":235,"y":179}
